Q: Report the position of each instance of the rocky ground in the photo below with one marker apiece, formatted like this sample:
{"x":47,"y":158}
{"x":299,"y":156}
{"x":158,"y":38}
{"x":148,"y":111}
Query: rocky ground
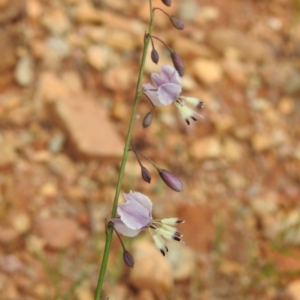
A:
{"x":68,"y":70}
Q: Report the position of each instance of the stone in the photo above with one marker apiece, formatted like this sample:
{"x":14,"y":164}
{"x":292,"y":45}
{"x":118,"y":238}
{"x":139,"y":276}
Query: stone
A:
{"x":145,"y":294}
{"x":21,"y":222}
{"x":207,"y":14}
{"x":58,"y":233}
{"x":56,"y":49}
{"x":233,"y":151}
{"x":206,"y":148}
{"x":89,"y":130}
{"x":249,"y":47}
{"x":8,"y":154}
{"x":99,"y":57}
{"x":151,"y":270}
{"x":286,"y":105}
{"x":56,"y":22}
{"x":10,"y":264}
{"x":119,"y":78}
{"x":261,"y":141}
{"x":293,"y":289}
{"x":182,"y":260}
{"x":62,"y":166}
{"x":207,"y":71}
{"x":24,"y":73}
{"x":236,"y":71}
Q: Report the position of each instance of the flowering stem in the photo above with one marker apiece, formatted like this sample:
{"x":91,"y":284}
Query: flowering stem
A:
{"x":125,"y":155}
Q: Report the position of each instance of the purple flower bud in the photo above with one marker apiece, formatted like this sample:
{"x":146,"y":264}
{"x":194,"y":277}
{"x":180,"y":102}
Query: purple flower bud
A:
{"x":166,"y":2}
{"x":147,"y":119}
{"x":146,"y":174}
{"x":128,"y":259}
{"x":171,"y":180}
{"x":178,"y":63}
{"x":154,"y":56}
{"x":178,"y":24}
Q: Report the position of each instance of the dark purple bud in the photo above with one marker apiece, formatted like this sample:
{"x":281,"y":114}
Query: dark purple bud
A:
{"x":166,"y":2}
{"x":178,"y":24}
{"x":147,"y":119}
{"x":178,"y":63}
{"x":146,"y":174}
{"x":154,"y":56}
{"x":128,"y":259}
{"x":171,"y":180}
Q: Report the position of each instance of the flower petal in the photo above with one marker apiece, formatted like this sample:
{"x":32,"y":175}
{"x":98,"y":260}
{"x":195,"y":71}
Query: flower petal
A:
{"x":136,"y":212}
{"x":153,"y":98}
{"x":123,"y":229}
{"x":167,"y":93}
{"x":141,"y":198}
{"x":168,"y":75}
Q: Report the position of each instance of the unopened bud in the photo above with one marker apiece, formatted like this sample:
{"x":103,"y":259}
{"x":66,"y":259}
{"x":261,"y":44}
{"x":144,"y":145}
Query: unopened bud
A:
{"x":166,"y":2}
{"x":171,"y":180}
{"x":147,"y":119}
{"x":178,"y":63}
{"x":154,"y":56}
{"x":128,"y":259}
{"x":178,"y":24}
{"x":146,"y":174}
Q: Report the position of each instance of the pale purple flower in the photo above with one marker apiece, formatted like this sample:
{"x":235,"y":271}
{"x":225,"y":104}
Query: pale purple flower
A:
{"x":136,"y":215}
{"x":166,"y":89}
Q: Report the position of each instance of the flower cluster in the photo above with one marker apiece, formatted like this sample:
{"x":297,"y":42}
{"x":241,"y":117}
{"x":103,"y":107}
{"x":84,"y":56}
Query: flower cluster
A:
{"x":136,"y":215}
{"x":166,"y":89}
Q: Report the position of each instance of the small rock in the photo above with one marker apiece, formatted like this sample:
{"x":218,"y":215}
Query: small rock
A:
{"x":8,"y":236}
{"x":85,"y":12}
{"x":84,"y":292}
{"x":58,"y":233}
{"x":56,"y":22}
{"x":286,"y":105}
{"x":206,"y":148}
{"x":89,"y":129}
{"x":182,"y":260}
{"x":21,"y":222}
{"x":293,"y":290}
{"x":10,"y":264}
{"x":8,"y":155}
{"x":249,"y":47}
{"x":120,"y":78}
{"x":261,"y":141}
{"x":48,"y":190}
{"x":208,"y":13}
{"x":33,"y":9}
{"x":62,"y":166}
{"x":151,"y":270}
{"x":233,"y":151}
{"x":24,"y":73}
{"x":208,"y":71}
{"x":56,"y":49}
{"x":99,"y":56}
{"x":145,"y":295}
{"x":236,"y":71}
{"x":120,"y":292}
{"x":56,"y":143}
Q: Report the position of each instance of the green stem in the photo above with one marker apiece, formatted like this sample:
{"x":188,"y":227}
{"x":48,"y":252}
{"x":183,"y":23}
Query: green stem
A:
{"x":124,"y":159}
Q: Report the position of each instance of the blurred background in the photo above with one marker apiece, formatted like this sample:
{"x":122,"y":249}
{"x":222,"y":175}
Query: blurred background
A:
{"x":68,"y":70}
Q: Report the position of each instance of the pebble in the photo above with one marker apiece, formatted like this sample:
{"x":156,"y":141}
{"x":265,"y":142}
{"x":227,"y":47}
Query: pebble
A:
{"x":206,"y":148}
{"x":286,"y":105}
{"x":93,"y":138}
{"x":120,"y":77}
{"x":182,"y":260}
{"x":56,"y":22}
{"x":99,"y":57}
{"x":21,"y":223}
{"x":293,"y":289}
{"x":24,"y":73}
{"x":151,"y":269}
{"x":207,"y":14}
{"x":233,"y":150}
{"x":58,"y":233}
{"x":249,"y":47}
{"x":207,"y":71}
